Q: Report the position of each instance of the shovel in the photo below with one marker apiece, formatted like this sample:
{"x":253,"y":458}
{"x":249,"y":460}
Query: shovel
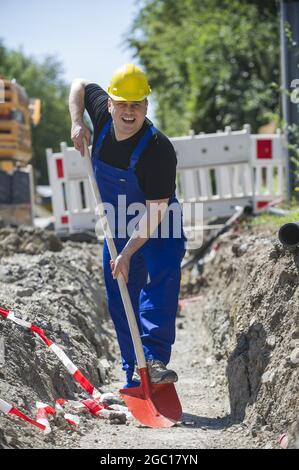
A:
{"x":154,"y":405}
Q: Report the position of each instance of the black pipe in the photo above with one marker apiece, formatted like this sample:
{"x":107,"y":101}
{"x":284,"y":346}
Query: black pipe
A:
{"x":289,"y":235}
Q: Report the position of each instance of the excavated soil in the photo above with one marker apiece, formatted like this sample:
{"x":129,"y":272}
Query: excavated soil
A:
{"x":236,"y":353}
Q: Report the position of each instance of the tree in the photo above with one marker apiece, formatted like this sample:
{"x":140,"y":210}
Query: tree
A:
{"x":41,"y":80}
{"x":211,"y":63}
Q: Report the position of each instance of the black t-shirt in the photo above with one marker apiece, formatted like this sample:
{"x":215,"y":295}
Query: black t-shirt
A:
{"x":156,"y":167}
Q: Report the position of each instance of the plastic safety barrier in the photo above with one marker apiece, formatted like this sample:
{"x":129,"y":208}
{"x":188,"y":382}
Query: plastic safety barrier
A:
{"x":221,"y":170}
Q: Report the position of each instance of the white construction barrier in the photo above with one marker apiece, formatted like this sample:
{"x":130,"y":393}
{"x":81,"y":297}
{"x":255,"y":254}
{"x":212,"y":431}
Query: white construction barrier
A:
{"x":268,"y":161}
{"x":72,"y":200}
{"x":226,"y":169}
{"x":214,"y":169}
{"x":221,"y":170}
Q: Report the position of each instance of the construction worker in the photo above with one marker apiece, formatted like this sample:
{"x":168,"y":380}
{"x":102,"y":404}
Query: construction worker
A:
{"x":133,"y":160}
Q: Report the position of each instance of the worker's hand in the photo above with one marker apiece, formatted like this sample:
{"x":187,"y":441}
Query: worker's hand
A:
{"x":121,"y":265}
{"x":78,"y":134}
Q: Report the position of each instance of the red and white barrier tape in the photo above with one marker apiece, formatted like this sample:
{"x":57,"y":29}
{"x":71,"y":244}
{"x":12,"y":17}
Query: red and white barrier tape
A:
{"x":189,"y":300}
{"x":68,"y":364}
{"x":42,"y":415}
{"x":72,"y":419}
{"x":10,"y":409}
{"x":95,"y":404}
{"x":43,"y":410}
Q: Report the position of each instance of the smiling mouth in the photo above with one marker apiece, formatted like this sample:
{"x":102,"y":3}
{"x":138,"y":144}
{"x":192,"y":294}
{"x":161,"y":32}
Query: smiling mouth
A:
{"x":128,"y":120}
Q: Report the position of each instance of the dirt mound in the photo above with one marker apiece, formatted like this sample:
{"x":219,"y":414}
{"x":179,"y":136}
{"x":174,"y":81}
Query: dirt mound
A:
{"x":60,"y":289}
{"x":29,"y":240}
{"x":249,"y":306}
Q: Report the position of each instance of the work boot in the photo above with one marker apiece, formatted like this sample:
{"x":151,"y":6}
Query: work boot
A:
{"x":158,"y":373}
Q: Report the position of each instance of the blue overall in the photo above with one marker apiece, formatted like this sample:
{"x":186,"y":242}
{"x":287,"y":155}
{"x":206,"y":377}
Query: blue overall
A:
{"x":154,"y":276}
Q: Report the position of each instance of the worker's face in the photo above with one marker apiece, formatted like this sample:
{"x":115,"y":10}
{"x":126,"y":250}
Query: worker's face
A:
{"x":128,"y":117}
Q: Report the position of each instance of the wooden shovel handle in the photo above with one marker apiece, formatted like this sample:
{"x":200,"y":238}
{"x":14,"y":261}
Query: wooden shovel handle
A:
{"x":113,"y":254}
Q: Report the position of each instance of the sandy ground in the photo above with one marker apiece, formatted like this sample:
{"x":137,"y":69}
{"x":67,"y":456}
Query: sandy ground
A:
{"x":203,"y":393}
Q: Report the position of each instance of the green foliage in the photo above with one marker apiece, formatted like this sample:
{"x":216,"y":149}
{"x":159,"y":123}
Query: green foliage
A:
{"x":274,"y":221}
{"x":211,"y":63}
{"x":41,"y":80}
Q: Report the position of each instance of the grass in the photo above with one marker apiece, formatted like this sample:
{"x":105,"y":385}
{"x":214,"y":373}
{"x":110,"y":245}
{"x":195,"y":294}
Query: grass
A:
{"x":275,"y":221}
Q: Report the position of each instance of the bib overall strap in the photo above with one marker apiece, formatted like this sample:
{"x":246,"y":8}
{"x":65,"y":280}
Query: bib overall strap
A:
{"x":142,"y":144}
{"x":101,"y":138}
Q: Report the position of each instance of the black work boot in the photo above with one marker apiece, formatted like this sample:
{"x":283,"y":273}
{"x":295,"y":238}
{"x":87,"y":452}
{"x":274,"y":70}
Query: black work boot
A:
{"x":158,"y":373}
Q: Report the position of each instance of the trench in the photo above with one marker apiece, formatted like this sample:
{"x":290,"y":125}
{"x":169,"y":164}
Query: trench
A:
{"x":235,"y":351}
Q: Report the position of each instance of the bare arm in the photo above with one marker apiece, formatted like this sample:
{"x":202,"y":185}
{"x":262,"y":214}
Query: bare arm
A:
{"x":76,"y":107}
{"x":154,"y":214}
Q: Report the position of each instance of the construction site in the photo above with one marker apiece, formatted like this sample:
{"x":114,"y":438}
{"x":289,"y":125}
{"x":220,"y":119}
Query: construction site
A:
{"x":236,"y":349}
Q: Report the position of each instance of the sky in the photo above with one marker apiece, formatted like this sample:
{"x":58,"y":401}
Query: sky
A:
{"x":86,"y":36}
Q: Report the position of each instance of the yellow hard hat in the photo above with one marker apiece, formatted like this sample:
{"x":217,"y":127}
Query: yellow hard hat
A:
{"x":128,"y":83}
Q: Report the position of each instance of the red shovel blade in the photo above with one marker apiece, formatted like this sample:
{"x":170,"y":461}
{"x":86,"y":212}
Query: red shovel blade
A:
{"x":154,"y":405}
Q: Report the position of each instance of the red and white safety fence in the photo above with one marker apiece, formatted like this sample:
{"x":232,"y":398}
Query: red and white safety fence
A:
{"x":96,"y":404}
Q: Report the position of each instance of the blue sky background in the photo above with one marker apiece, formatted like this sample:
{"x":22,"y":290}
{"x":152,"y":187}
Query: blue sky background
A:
{"x":86,"y":36}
